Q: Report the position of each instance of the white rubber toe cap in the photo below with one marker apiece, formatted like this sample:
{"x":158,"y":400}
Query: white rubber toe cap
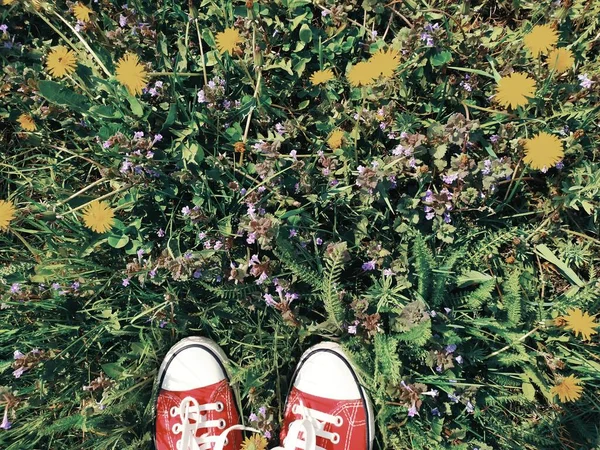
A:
{"x":325,"y":372}
{"x":192,"y":363}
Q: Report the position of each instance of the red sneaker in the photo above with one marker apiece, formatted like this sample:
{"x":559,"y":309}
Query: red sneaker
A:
{"x":327,"y":408}
{"x":196,"y":408}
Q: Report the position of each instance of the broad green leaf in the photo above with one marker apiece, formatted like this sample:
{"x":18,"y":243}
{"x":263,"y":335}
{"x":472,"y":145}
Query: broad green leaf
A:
{"x":135,"y":105}
{"x":473,"y":277}
{"x":543,"y":251}
{"x":118,"y":241}
{"x":61,"y":95}
{"x":305,"y":33}
{"x":441,"y":58}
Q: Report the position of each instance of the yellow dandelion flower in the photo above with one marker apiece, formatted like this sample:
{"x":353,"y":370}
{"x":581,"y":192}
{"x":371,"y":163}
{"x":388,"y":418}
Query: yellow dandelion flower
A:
{"x":99,"y":216}
{"x":541,"y":39}
{"x":386,"y":62}
{"x":543,"y":150}
{"x":82,"y":12}
{"x":7,"y":213}
{"x":321,"y":76}
{"x":228,"y":40}
{"x":131,"y":74}
{"x":27,"y":122}
{"x":514,"y":89}
{"x":6,"y":2}
{"x":61,"y":61}
{"x":568,"y":390}
{"x":255,"y":442}
{"x":560,"y":60}
{"x":581,"y":323}
{"x":362,"y":74}
{"x":336,"y":139}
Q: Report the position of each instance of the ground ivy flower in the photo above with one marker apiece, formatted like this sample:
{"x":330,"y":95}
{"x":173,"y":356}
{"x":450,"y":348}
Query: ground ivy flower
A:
{"x":126,"y":281}
{"x":61,"y":61}
{"x":369,"y":265}
{"x":5,"y":425}
{"x":228,"y":40}
{"x":543,"y":150}
{"x":99,"y":216}
{"x":540,"y":39}
{"x":513,"y":90}
{"x":585,"y":81}
{"x":568,"y":390}
{"x":131,"y":74}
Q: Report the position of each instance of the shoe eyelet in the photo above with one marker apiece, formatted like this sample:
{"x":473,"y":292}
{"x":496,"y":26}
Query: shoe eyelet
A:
{"x":220,"y":406}
{"x":335,"y":438}
{"x":222,"y":424}
{"x":295,"y":408}
{"x":226,"y":441}
{"x":173,"y":411}
{"x":339,"y":421}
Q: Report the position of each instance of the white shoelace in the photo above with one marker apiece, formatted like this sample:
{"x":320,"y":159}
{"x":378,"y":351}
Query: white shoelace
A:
{"x":189,"y":409}
{"x":312,"y":426}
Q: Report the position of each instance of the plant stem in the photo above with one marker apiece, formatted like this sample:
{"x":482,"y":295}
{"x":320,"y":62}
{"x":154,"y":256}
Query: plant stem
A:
{"x":201,"y":51}
{"x":85,"y":44}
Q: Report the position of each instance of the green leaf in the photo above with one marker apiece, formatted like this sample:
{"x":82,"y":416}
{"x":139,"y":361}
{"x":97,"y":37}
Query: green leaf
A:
{"x":118,"y":241}
{"x":543,"y":251}
{"x":473,"y":277}
{"x":528,"y":391}
{"x":441,"y":58}
{"x":135,"y":105}
{"x":105,"y":111}
{"x":61,"y":95}
{"x":305,"y":33}
{"x":170,"y":116}
{"x":113,"y":370}
{"x":475,"y":71}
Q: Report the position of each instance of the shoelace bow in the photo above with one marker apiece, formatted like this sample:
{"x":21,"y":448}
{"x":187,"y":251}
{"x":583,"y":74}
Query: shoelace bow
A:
{"x":312,"y":425}
{"x":189,"y":409}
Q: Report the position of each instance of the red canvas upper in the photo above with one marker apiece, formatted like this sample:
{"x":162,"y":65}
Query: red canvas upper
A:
{"x":166,"y":439}
{"x":353,"y":431}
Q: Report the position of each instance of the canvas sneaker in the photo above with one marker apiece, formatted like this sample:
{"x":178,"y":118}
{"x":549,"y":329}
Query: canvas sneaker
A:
{"x":196,"y":407}
{"x":327,"y":408}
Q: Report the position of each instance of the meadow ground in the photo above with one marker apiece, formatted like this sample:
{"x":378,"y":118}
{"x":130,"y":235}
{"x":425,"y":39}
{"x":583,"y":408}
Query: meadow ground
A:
{"x":416,"y":180}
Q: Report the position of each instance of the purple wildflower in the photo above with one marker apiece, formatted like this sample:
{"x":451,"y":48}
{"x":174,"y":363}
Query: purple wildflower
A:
{"x":253,"y":418}
{"x":122,"y":20}
{"x":459,"y":359}
{"x":5,"y":425}
{"x":126,"y":281}
{"x":197,"y":273}
{"x":454,"y":398}
{"x":138,"y":135}
{"x":3,"y":28}
{"x":56,"y":286}
{"x":585,"y":81}
{"x":435,"y":412}
{"x":293,"y":232}
{"x":218,"y":245}
{"x":451,"y":348}
{"x":15,"y":288}
{"x":470,"y":407}
{"x":262,"y":411}
{"x":17,"y":373}
{"x":319,"y":241}
{"x":369,"y":265}
{"x":185,"y":210}
{"x":75,"y":285}
{"x":201,"y":96}
{"x":18,"y":355}
{"x":560,"y":165}
{"x":412,"y":411}
{"x":269,"y":300}
{"x":160,"y":233}
{"x":352,"y":329}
